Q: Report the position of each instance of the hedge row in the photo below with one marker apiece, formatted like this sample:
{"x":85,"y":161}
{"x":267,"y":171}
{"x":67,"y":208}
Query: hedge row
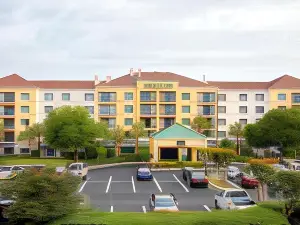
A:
{"x":264,"y":161}
{"x":181,"y":164}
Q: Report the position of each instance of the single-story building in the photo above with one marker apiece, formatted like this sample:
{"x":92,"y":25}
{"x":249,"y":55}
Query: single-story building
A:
{"x":177,"y":142}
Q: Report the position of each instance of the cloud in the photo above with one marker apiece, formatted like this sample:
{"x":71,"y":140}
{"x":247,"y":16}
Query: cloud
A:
{"x":73,"y":39}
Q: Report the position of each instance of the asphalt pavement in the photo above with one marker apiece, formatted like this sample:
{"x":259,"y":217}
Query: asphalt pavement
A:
{"x":116,"y":189}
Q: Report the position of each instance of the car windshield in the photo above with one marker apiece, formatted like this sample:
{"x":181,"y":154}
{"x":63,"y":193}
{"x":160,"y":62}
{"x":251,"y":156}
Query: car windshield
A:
{"x":236,"y":194}
{"x":74,"y":167}
{"x":144,"y":173}
{"x":198,"y":175}
{"x":164,"y":202}
{"x":5,"y":169}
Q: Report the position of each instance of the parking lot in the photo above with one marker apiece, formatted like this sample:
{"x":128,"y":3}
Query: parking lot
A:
{"x":117,"y":190}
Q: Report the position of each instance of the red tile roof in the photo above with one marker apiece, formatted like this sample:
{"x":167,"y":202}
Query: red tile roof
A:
{"x":15,"y":80}
{"x":285,"y":82}
{"x":64,"y":84}
{"x":128,"y":80}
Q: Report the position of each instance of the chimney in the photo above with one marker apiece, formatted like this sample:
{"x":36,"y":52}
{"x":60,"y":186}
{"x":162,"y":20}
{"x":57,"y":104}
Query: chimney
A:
{"x":131,"y":71}
{"x":140,"y":72}
{"x":108,"y":78}
{"x":96,"y":80}
{"x":204,"y":77}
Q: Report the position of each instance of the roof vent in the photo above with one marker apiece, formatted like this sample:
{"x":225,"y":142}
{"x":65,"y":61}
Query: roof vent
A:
{"x":108,"y":78}
{"x":140,"y":72}
{"x":204,"y":77}
{"x":131,"y":72}
{"x":96,"y":80}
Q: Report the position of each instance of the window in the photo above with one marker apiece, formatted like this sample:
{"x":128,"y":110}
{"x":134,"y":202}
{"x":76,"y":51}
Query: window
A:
{"x":89,"y":97}
{"x":243,"y":109}
{"x":128,"y":121}
{"x":25,"y":122}
{"x":259,"y":109}
{"x":259,"y":97}
{"x":243,"y":121}
{"x":65,"y":96}
{"x":206,"y":110}
{"x":282,"y":107}
{"x":182,"y":143}
{"x":185,"y":96}
{"x":48,"y":97}
{"x":243,"y":97}
{"x":147,"y":96}
{"x":8,"y":151}
{"x":25,"y":96}
{"x":185,"y":109}
{"x":128,"y":96}
{"x":221,"y":122}
{"x":206,"y":97}
{"x":222,"y":134}
{"x":221,"y":109}
{"x":24,"y":150}
{"x":107,"y":110}
{"x":48,"y":109}
{"x":128,"y":108}
{"x":107,"y":96}
{"x":24,"y":109}
{"x":281,"y":97}
{"x":90,"y":109}
{"x":186,"y":121}
{"x":295,"y":98}
{"x":222,"y":97}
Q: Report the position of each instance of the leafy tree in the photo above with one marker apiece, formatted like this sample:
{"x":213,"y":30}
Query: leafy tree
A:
{"x":101,"y":151}
{"x":287,"y":184}
{"x":263,"y":173}
{"x":1,"y":129}
{"x":276,"y":128}
{"x":200,"y":124}
{"x":41,"y":196}
{"x":226,"y":143}
{"x":71,"y":128}
{"x":236,"y":130}
{"x":138,"y":130}
{"x":33,"y":132}
{"x":118,"y":134}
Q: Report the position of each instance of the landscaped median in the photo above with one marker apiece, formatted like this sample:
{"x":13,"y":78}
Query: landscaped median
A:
{"x":220,"y":184}
{"x":254,"y":215}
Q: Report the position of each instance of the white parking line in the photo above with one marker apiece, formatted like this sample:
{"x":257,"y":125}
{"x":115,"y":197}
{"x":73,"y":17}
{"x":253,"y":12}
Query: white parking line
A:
{"x":159,"y":188}
{"x":111,"y":208}
{"x":206,"y":207}
{"x":82,"y":186}
{"x":133,"y":186}
{"x":144,"y":209}
{"x":167,"y":181}
{"x":184,"y":187}
{"x":97,"y":181}
{"x":121,"y":181}
{"x":108,"y":185}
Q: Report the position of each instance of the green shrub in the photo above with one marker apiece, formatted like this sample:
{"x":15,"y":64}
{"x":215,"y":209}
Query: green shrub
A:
{"x":101,"y":152}
{"x":168,"y":164}
{"x":226,"y":143}
{"x":242,"y":159}
{"x":111,"y":152}
{"x":35,"y":153}
{"x":91,"y":152}
{"x":290,"y":152}
{"x":246,"y":150}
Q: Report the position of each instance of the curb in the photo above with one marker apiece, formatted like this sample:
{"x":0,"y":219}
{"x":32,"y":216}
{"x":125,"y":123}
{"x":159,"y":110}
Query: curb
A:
{"x":115,"y":164}
{"x":233,"y":184}
{"x":172,"y":169}
{"x":216,"y":186}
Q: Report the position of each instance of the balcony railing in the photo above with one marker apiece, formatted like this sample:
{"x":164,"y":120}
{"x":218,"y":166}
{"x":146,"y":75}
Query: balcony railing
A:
{"x":206,"y":97}
{"x":9,"y":126}
{"x":206,"y":110}
{"x":7,"y":97}
{"x":167,"y":110}
{"x":7,"y":113}
{"x":167,"y":97}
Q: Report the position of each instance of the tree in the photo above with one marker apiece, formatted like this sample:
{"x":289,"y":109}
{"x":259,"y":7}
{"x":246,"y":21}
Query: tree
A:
{"x":226,"y":143}
{"x":1,"y":129}
{"x":287,"y":185}
{"x":138,"y":130}
{"x":33,"y":132}
{"x":118,"y":134}
{"x":200,"y":124}
{"x":236,"y":130}
{"x":263,"y":173}
{"x":71,"y":128}
{"x":41,"y":196}
{"x":276,"y":128}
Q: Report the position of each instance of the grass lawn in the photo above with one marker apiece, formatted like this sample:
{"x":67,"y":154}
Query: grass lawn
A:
{"x":220,"y":183}
{"x":54,"y":162}
{"x":264,"y":215}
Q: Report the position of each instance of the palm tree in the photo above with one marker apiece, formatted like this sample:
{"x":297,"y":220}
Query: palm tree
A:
{"x":138,"y":130}
{"x":118,"y":134}
{"x":236,"y":130}
{"x":33,"y":132}
{"x":1,"y":129}
{"x":200,"y":124}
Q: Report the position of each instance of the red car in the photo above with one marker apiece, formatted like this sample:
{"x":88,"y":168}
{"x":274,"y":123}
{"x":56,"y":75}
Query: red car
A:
{"x":246,"y":181}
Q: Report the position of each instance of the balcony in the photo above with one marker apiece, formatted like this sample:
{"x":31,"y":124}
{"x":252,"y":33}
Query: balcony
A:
{"x":150,"y":123}
{"x":148,"y":110}
{"x":148,"y":96}
{"x":110,"y":121}
{"x":167,"y":110}
{"x":206,"y":97}
{"x":7,"y":97}
{"x":9,"y":137}
{"x":9,"y":124}
{"x":210,"y":133}
{"x":7,"y":111}
{"x":107,"y":97}
{"x":167,"y":96}
{"x":107,"y":110}
{"x":206,"y":110}
{"x":166,"y":122}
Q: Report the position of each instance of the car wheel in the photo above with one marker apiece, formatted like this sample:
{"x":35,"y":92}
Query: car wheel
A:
{"x":84,"y":177}
{"x":216,"y":205}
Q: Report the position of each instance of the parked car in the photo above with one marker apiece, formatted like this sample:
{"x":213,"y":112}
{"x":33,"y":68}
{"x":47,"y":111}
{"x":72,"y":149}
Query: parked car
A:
{"x":6,"y":201}
{"x":143,"y":174}
{"x":280,"y":167}
{"x":246,"y":181}
{"x":163,"y":202}
{"x":295,"y":165}
{"x":232,"y":172}
{"x":6,"y":171}
{"x":195,"y":178}
{"x":79,"y":169}
{"x":233,"y":199}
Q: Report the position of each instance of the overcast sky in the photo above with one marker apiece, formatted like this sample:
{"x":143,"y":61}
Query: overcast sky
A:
{"x":242,"y":40}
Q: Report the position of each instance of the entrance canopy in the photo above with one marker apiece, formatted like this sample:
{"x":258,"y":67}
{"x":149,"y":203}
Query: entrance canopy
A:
{"x":177,"y":142}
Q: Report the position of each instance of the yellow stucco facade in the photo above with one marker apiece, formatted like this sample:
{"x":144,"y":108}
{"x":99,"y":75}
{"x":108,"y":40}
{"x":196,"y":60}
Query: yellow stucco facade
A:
{"x":284,"y":98}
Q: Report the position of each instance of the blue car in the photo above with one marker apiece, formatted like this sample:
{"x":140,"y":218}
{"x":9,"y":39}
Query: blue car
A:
{"x":143,"y":174}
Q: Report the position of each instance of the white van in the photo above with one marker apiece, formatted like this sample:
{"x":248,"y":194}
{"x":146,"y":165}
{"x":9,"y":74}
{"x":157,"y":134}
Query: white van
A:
{"x":232,"y":172}
{"x":295,"y":166}
{"x":79,"y":169}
